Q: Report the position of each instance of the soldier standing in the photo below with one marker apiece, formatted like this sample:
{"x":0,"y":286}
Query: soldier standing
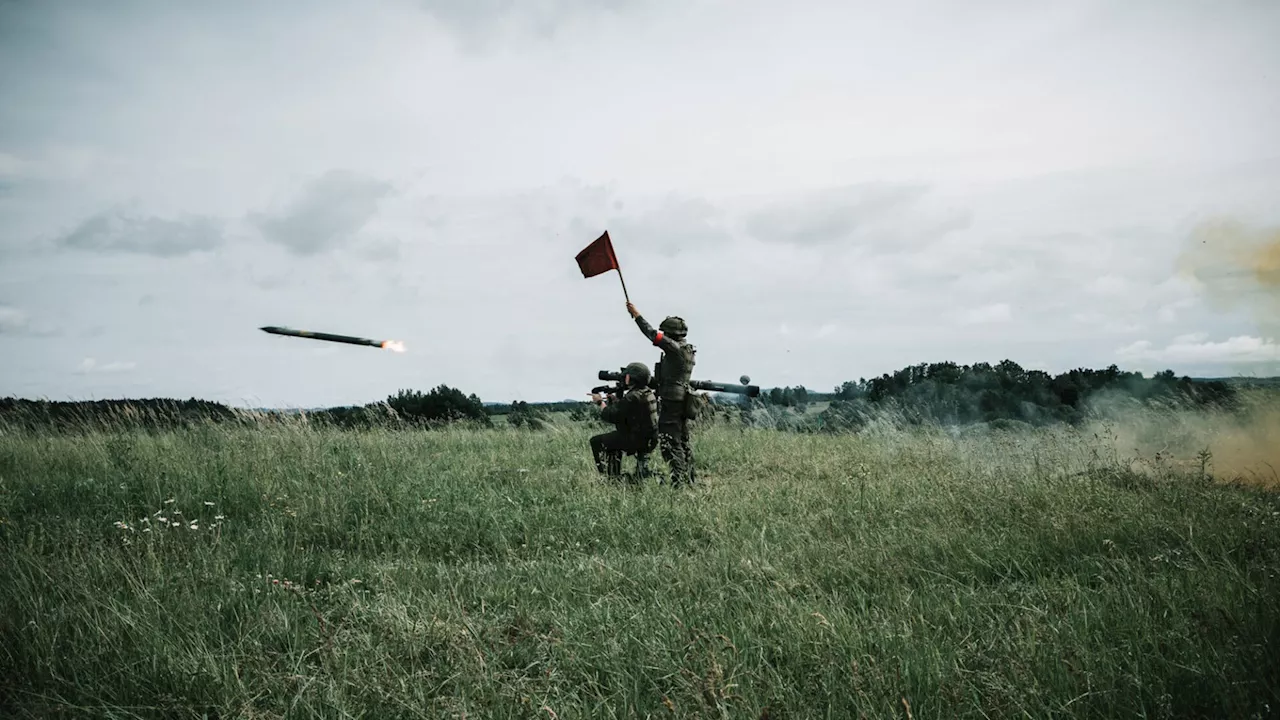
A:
{"x":635,"y":413}
{"x":675,"y":398}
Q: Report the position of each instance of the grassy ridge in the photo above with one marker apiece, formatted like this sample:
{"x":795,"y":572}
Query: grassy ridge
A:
{"x":491,"y":574}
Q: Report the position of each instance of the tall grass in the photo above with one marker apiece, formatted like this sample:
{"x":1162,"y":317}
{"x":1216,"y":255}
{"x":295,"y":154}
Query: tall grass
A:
{"x":288,"y":570}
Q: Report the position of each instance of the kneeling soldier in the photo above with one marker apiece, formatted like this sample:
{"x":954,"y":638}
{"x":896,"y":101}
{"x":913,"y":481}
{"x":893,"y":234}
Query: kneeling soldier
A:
{"x":635,"y":414}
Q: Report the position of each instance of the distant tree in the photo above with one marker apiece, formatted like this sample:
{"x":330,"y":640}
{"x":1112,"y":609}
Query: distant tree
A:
{"x":849,"y":390}
{"x":524,"y":415}
{"x":583,"y":412}
{"x":797,"y":396}
{"x":441,"y":405}
{"x":801,"y":396}
{"x":954,"y":394}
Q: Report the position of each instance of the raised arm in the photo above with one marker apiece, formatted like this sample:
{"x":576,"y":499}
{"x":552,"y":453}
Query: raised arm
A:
{"x":655,"y":336}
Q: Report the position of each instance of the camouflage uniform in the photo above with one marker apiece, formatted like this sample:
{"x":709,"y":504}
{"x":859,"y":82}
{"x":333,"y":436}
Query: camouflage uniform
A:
{"x":636,"y":415}
{"x":675,"y":397}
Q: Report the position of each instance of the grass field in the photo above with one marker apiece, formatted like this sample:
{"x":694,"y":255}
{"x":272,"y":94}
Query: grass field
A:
{"x":287,"y":572}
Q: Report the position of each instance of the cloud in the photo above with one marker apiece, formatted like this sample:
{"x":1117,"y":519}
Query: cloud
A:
{"x":757,"y":167}
{"x":1109,"y":286}
{"x":1168,"y":313}
{"x":12,"y":166}
{"x":118,"y":230}
{"x":1196,"y":348}
{"x":383,"y":250}
{"x":475,"y":21}
{"x":989,"y":314}
{"x":834,"y":215}
{"x":12,"y":321}
{"x":1103,"y":282}
{"x":677,"y":224}
{"x":326,"y":214}
{"x":15,"y":321}
{"x":90,"y":365}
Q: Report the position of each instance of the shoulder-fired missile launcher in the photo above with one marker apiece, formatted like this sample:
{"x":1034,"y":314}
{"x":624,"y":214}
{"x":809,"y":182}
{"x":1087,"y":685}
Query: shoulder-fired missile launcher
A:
{"x":743,"y":388}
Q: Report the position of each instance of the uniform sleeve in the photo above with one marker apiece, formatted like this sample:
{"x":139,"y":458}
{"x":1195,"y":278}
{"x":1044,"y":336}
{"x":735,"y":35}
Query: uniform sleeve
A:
{"x":612,"y":412}
{"x":656,"y":336}
{"x":629,"y":406}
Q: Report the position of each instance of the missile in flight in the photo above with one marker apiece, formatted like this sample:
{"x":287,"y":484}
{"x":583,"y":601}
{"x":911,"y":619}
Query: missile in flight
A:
{"x":393,"y":345}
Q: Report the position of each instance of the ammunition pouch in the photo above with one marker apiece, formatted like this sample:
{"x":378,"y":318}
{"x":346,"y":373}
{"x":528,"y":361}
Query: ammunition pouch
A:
{"x":691,"y":400}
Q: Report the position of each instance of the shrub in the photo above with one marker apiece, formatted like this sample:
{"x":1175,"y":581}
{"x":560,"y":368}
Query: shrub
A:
{"x":441,"y":405}
{"x":523,"y":415}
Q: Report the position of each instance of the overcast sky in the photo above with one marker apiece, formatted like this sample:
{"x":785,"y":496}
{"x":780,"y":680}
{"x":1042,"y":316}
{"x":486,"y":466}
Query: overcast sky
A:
{"x":824,"y":190}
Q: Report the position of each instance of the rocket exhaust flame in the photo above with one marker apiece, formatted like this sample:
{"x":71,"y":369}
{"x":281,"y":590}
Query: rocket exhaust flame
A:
{"x":393,"y":345}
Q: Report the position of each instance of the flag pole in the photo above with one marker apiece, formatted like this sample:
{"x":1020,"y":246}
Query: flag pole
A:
{"x":624,"y":285}
{"x":618,"y":266}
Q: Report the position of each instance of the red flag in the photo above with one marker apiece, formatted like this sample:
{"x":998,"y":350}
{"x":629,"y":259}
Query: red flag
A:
{"x":598,"y":257}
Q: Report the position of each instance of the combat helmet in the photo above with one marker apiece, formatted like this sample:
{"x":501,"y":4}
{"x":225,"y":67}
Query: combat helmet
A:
{"x":639,"y":373}
{"x":675,"y":327}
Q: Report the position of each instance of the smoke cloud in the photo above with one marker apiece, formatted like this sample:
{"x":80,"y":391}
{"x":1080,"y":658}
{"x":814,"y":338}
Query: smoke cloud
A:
{"x":1234,"y":265}
{"x":1243,"y":445}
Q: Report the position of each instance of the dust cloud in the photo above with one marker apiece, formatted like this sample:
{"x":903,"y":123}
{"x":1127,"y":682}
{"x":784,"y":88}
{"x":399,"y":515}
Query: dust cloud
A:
{"x":1235,"y":265}
{"x":1243,"y":444}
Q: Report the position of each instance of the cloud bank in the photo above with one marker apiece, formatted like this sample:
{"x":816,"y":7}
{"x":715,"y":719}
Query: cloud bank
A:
{"x":326,"y":214}
{"x":117,"y":230}
{"x":824,"y":192}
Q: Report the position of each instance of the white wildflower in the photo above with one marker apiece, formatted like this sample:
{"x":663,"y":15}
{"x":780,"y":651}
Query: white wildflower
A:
{"x":208,"y":504}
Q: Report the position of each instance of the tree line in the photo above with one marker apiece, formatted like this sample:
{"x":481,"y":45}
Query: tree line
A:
{"x":948,"y":393}
{"x":945,"y":393}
